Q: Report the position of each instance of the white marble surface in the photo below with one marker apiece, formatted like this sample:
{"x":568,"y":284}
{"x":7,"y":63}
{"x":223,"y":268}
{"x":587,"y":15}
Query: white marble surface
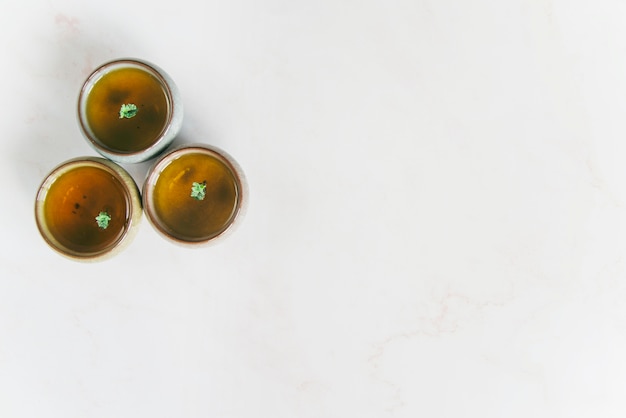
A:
{"x":436,"y":222}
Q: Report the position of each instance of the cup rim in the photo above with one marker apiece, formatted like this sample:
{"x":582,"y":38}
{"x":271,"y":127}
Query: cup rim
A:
{"x":131,"y":195}
{"x":164,"y":160}
{"x":144,"y":153}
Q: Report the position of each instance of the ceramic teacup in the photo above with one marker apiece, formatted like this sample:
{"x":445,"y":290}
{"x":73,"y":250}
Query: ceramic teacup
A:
{"x":88,"y":209}
{"x":129,"y":110}
{"x":195,"y":194}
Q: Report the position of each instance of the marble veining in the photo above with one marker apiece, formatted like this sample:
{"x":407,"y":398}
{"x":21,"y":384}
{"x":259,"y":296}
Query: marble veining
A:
{"x":435,"y":221}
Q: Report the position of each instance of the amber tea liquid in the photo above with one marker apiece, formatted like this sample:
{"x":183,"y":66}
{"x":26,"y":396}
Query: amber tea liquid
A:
{"x":75,"y":199}
{"x":125,"y":86}
{"x":185,"y":217}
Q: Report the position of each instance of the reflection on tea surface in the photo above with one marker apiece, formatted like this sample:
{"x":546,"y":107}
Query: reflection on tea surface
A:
{"x":176,"y":202}
{"x":76,"y":199}
{"x":119,"y":88}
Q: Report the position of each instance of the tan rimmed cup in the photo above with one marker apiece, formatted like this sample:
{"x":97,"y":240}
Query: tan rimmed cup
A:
{"x":88,"y":209}
{"x":195,"y":194}
{"x":129,"y":110}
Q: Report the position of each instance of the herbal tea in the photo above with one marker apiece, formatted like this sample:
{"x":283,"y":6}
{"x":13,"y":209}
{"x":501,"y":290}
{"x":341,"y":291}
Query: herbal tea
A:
{"x":195,"y":197}
{"x":86,"y":209}
{"x":127,"y":109}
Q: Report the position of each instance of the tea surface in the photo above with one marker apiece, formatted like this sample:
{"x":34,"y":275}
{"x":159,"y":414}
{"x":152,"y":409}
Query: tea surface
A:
{"x":126,"y":86}
{"x":185,"y":217}
{"x":74,"y":201}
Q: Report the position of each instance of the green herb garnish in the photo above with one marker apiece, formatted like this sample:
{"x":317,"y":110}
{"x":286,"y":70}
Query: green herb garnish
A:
{"x":128,"y":111}
{"x":198,"y":190}
{"x":103,"y":219}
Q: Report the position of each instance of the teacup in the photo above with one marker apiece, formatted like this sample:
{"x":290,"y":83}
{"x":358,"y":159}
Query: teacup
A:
{"x":129,"y":110}
{"x":195,"y":194}
{"x":88,"y":209}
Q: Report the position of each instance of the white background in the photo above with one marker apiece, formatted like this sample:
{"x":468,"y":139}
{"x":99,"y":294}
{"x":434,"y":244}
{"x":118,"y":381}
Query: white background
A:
{"x":436,"y":221}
